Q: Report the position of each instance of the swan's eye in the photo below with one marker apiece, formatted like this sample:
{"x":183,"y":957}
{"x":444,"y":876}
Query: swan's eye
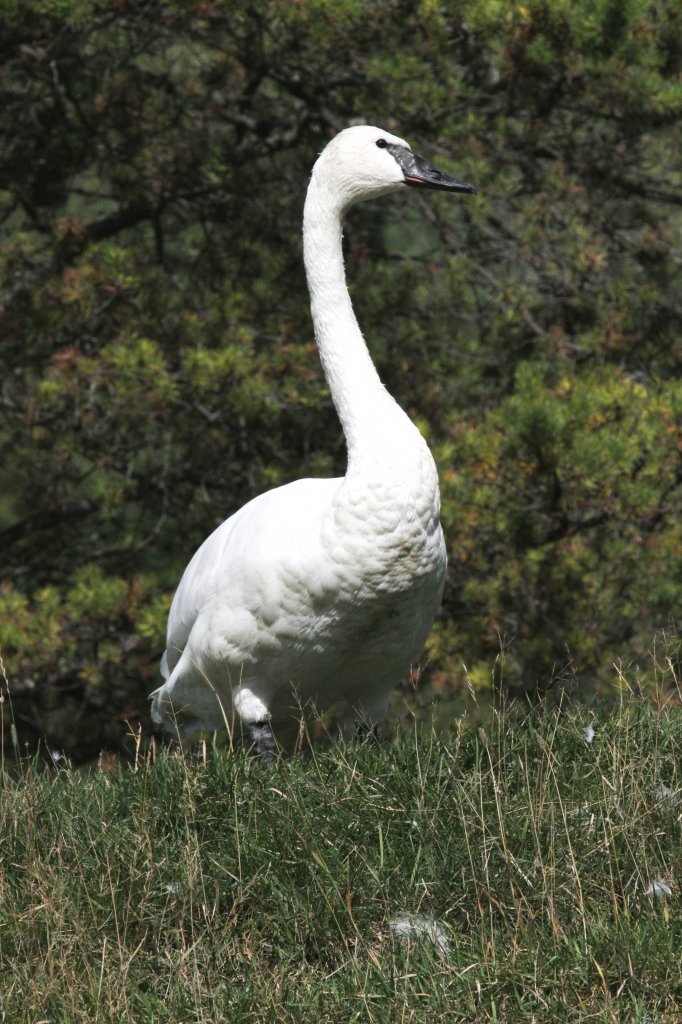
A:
{"x":381,"y":143}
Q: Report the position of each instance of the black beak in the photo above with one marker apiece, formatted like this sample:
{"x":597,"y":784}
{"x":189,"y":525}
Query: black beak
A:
{"x":420,"y":174}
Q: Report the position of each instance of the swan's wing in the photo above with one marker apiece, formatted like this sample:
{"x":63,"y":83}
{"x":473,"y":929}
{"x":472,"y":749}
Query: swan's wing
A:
{"x":268,"y":524}
{"x":198,"y":584}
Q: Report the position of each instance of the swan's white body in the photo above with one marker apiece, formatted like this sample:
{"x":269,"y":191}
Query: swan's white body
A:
{"x":321,"y":590}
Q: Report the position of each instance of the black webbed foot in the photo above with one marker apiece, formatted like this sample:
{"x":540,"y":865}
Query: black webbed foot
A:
{"x":263,"y":741}
{"x":367,"y":733}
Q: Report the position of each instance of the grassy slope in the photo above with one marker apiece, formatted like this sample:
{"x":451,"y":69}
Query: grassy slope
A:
{"x":217,"y":891}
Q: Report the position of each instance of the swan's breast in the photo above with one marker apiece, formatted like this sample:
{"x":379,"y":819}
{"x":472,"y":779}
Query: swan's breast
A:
{"x":384,"y":524}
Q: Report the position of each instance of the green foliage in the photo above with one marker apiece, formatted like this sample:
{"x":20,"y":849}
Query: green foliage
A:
{"x":93,"y":631}
{"x":570,"y":483}
{"x":158,"y":364}
{"x":205,"y":889}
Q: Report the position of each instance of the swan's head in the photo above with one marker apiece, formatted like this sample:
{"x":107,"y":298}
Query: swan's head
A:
{"x":363,"y":162}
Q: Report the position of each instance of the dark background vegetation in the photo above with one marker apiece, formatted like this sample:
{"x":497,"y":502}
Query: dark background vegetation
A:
{"x":158,"y":363}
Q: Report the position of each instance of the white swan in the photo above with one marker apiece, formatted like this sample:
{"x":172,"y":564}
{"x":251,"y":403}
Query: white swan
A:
{"x":321,"y":590}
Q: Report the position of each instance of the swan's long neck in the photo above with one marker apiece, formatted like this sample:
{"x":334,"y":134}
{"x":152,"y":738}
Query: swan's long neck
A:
{"x":372,"y":421}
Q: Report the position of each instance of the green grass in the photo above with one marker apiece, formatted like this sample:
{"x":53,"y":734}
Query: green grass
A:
{"x":201,"y":889}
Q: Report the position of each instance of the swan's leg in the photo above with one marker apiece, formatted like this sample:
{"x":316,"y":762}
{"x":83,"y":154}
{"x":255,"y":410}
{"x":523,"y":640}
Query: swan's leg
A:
{"x":369,"y":714}
{"x":264,"y":746}
{"x":256,"y":723}
{"x":367,"y":733}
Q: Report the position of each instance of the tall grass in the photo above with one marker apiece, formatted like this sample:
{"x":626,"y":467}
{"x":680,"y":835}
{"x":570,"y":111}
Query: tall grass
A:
{"x":536,"y":867}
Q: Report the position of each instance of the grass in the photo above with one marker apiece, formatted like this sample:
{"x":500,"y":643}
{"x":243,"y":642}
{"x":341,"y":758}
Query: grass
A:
{"x":202,"y":888}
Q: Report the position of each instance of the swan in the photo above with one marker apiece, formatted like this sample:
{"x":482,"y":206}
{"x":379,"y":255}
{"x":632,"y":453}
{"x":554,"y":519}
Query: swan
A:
{"x":321,"y":590}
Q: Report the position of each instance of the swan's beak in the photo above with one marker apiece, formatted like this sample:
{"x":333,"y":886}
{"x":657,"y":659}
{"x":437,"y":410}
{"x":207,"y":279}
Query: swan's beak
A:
{"x":420,"y":174}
